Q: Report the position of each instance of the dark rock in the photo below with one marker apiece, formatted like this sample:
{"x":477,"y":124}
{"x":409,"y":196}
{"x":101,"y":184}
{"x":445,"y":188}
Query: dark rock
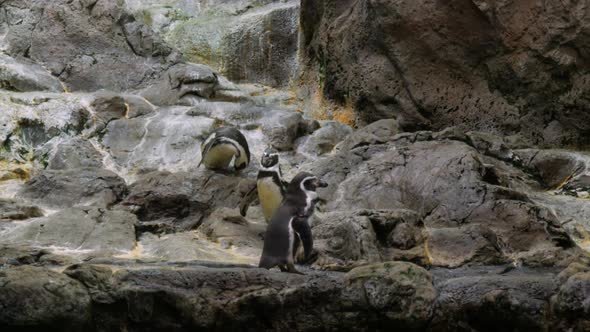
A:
{"x":485,"y":71}
{"x":17,"y":255}
{"x":570,"y":303}
{"x":181,"y":200}
{"x":402,"y":292}
{"x":393,"y":295}
{"x":556,"y":168}
{"x":378,"y":297}
{"x":107,"y":106}
{"x":473,"y":207}
{"x":493,"y":302}
{"x":98,"y":280}
{"x":40,"y":299}
{"x":70,"y":187}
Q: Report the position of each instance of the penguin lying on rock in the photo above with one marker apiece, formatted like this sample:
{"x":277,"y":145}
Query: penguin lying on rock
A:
{"x":270,"y":186}
{"x":289,"y":224}
{"x":222,"y":146}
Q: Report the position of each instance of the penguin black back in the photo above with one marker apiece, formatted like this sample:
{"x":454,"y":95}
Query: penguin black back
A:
{"x":289,"y":221}
{"x":223,"y":145}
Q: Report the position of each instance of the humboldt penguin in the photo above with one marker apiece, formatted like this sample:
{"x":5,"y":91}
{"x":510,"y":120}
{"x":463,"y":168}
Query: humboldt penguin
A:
{"x":270,"y":185}
{"x":224,"y":145}
{"x":289,"y":223}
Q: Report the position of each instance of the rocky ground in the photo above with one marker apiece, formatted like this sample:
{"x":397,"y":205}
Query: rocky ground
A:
{"x":431,"y":221}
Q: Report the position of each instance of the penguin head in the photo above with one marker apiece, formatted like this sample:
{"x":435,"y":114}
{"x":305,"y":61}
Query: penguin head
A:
{"x":306,"y":182}
{"x":270,"y":158}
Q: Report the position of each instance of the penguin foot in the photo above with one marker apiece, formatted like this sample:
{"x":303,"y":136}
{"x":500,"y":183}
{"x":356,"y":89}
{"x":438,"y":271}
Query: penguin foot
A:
{"x":310,"y":259}
{"x":291,"y":269}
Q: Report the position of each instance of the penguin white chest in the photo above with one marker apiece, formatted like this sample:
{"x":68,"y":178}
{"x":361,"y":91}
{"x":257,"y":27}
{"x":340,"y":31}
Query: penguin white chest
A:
{"x":291,"y":240}
{"x":219,"y":156}
{"x":270,"y":196}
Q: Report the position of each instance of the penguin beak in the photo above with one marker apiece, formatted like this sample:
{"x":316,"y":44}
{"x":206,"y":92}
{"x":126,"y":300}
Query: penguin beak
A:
{"x":321,"y":183}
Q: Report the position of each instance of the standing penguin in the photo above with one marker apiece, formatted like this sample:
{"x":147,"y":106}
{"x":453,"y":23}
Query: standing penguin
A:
{"x":224,"y":145}
{"x":290,"y":222}
{"x":270,"y":185}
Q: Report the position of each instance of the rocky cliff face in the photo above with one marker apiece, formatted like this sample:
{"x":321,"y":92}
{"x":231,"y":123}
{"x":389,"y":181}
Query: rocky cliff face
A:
{"x":514,"y":68}
{"x":445,"y":213}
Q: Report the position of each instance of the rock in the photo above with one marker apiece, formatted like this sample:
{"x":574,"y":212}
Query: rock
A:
{"x":191,"y":246}
{"x":71,"y":153}
{"x":454,"y":247}
{"x":556,"y":168}
{"x":493,"y":302}
{"x":344,"y":240}
{"x":323,"y":140}
{"x":247,"y":41}
{"x":378,"y":132}
{"x":473,"y":206}
{"x":137,"y":106}
{"x":168,"y":139}
{"x":402,"y":292}
{"x":180,"y":201}
{"x":491,"y":145}
{"x":29,"y":120}
{"x":282,"y":128}
{"x":181,"y":83}
{"x":207,"y":295}
{"x":23,"y":75}
{"x":17,"y":255}
{"x":38,"y":298}
{"x":80,"y":229}
{"x":101,"y":46}
{"x":11,"y":209}
{"x":97,"y":280}
{"x":71,"y":187}
{"x":106,"y":106}
{"x":480,"y":74}
{"x":571,"y":302}
{"x":238,"y":294}
{"x":228,"y":228}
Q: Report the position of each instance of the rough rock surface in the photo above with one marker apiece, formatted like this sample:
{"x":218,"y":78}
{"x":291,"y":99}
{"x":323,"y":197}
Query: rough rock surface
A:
{"x":11,"y":209}
{"x":380,"y":297}
{"x":472,"y":206}
{"x":87,"y":229}
{"x":507,"y":67}
{"x":245,"y":40}
{"x":38,"y":298}
{"x":180,"y":201}
{"x":25,"y":76}
{"x":100,"y":45}
{"x":79,"y":186}
{"x":107,"y":223}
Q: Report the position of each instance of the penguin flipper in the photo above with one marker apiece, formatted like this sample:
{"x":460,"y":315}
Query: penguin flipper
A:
{"x":247,"y":200}
{"x":303,"y":229}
